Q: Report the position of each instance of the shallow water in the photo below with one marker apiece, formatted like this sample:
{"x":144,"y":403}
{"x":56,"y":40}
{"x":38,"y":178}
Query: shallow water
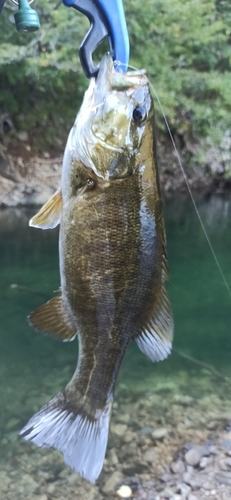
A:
{"x":33,"y":367}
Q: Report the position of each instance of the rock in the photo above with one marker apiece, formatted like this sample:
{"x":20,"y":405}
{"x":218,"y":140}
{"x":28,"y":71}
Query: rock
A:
{"x":113,"y":482}
{"x":187,"y":476}
{"x":192,"y":497}
{"x":222,"y":464}
{"x":197,"y":482}
{"x":30,"y":486}
{"x":212,"y":425}
{"x":183,"y":400}
{"x":119,"y":429}
{"x":226,"y":444}
{"x":134,"y":468}
{"x":167,"y":493}
{"x":204,"y":450}
{"x":178,"y":467}
{"x":51,"y":488}
{"x":203,"y":462}
{"x":23,"y":136}
{"x":125,"y":418}
{"x":41,"y":497}
{"x":112,"y":457}
{"x":8,"y":169}
{"x":159,"y":433}
{"x":224,"y":478}
{"x":135,"y":484}
{"x":146,"y":431}
{"x":206,"y":485}
{"x":192,"y":457}
{"x":124,"y":491}
{"x":36,"y":197}
{"x":151,"y":455}
{"x":64,"y":473}
{"x":145,"y":441}
{"x":213,"y":450}
{"x":183,"y":489}
{"x":129,"y":436}
{"x":73,"y":478}
{"x":167,"y":478}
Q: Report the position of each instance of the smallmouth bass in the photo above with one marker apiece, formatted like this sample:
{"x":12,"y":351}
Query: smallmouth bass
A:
{"x":113,"y":263}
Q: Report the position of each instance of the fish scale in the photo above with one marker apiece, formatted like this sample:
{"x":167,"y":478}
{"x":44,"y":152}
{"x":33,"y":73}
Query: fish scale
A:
{"x":113,"y":264}
{"x":97,"y":264}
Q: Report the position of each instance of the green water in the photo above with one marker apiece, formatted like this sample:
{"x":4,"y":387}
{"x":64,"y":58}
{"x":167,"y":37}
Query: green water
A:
{"x":30,"y":362}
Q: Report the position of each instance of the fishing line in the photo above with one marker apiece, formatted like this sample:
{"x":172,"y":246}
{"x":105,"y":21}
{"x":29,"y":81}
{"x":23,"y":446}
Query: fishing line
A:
{"x":188,"y":186}
{"x":190,"y":193}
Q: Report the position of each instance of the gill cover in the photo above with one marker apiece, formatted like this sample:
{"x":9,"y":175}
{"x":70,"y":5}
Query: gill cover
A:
{"x":107,"y":134}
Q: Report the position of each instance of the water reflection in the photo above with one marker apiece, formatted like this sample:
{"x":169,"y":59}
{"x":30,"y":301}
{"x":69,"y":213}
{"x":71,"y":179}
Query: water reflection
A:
{"x":200,"y":301}
{"x":33,"y":367}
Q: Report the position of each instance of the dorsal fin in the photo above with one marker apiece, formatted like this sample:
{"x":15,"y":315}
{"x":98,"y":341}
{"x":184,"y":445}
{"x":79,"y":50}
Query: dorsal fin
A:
{"x":49,"y":215}
{"x":51,"y":319}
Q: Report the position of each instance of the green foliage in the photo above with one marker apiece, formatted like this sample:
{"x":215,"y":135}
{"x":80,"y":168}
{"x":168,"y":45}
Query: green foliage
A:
{"x":184,"y":45}
{"x":42,"y":84}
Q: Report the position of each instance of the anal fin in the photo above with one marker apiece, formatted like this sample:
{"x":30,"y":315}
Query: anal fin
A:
{"x":49,"y":215}
{"x":156,"y":338}
{"x":51,"y":319}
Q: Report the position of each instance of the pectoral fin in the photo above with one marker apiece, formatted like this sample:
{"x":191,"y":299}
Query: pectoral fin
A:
{"x":49,"y":215}
{"x":51,"y":319}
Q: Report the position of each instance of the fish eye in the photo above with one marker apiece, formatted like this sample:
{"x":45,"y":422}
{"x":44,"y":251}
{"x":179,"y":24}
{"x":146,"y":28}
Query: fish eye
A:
{"x":82,"y":181}
{"x":139,"y":114}
{"x":90,"y":183}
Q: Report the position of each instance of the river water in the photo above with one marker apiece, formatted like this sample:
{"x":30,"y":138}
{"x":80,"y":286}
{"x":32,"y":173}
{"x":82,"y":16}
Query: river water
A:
{"x":34,"y":367}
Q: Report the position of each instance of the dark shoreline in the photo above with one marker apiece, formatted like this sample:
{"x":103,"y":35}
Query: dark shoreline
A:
{"x":31,"y":181}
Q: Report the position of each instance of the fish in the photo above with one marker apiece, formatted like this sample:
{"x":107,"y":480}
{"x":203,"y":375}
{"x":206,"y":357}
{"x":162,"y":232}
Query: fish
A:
{"x":113,"y":262}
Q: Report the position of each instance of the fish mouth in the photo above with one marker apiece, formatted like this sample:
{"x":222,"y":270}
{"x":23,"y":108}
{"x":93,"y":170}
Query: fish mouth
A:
{"x":108,"y":79}
{"x":110,"y":177}
{"x":120,"y":177}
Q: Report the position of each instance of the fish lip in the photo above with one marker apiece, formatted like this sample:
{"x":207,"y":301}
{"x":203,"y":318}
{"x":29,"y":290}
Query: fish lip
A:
{"x":120,"y":178}
{"x":108,"y":79}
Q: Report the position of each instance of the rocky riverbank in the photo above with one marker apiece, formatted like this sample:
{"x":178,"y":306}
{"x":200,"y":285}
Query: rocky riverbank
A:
{"x":170,"y":438}
{"x":26,"y":179}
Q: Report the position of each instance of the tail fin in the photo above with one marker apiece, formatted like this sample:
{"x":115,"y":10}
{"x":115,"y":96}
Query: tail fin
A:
{"x":81,"y":439}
